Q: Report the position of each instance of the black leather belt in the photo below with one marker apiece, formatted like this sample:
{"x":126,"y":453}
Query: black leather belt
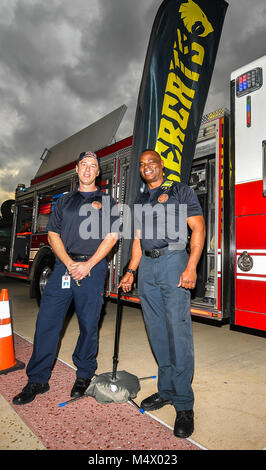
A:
{"x":76,"y":257}
{"x":155,"y":252}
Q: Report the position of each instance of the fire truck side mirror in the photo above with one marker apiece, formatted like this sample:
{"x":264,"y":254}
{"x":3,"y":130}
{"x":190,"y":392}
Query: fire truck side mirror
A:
{"x":264,"y":167}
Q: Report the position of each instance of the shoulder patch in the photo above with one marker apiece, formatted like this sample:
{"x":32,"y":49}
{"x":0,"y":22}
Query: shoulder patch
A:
{"x":167,"y":184}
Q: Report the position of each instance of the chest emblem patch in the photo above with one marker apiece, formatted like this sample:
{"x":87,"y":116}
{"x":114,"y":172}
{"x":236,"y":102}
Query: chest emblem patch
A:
{"x":163,"y":198}
{"x":96,"y":205}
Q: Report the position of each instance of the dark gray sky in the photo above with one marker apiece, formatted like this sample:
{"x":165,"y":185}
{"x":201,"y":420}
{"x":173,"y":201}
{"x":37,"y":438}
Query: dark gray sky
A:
{"x":65,"y":64}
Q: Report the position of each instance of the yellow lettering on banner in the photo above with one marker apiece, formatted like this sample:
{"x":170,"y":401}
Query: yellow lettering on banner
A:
{"x":185,"y":49}
{"x":169,"y":161}
{"x":172,"y":67}
{"x":183,"y":119}
{"x":194,"y":76}
{"x":167,"y":110}
{"x":173,"y":177}
{"x":176,"y":56}
{"x":177,"y":104}
{"x":199,"y":57}
{"x":176,"y":87}
{"x":169,"y":134}
{"x":180,"y":44}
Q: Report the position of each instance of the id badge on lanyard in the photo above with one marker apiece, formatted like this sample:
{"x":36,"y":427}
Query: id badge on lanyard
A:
{"x":66,"y":281}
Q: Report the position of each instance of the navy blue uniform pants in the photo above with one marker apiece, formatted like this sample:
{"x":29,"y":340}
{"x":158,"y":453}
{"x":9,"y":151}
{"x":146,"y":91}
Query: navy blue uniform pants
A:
{"x":54,"y":305}
{"x":166,"y":310}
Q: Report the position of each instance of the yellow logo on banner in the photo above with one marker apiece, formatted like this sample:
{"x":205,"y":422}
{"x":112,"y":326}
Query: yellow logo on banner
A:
{"x":178,"y":96}
{"x":195,"y":21}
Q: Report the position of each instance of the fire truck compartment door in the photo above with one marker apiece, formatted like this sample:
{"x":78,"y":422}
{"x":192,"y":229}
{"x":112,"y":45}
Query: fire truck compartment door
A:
{"x":251,"y":271}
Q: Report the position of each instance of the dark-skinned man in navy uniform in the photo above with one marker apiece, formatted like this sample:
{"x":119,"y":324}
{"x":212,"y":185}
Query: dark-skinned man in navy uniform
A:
{"x":166,"y":273}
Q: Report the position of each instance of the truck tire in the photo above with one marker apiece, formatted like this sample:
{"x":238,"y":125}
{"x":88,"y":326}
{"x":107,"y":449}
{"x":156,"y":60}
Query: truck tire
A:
{"x":42,"y":274}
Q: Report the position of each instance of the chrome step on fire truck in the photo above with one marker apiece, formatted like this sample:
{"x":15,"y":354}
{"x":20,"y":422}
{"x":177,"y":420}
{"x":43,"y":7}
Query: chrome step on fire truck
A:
{"x":228,"y":175}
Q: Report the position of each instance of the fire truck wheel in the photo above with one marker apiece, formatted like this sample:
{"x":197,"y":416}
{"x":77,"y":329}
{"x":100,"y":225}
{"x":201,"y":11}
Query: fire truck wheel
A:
{"x":42,"y":274}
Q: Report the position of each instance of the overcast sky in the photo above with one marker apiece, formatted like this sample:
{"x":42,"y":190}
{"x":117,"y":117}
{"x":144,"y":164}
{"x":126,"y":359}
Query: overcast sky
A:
{"x":64,"y":64}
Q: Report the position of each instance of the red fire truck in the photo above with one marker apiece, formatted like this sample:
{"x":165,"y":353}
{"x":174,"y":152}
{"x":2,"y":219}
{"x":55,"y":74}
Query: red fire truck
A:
{"x":228,"y":176}
{"x":248,"y":198}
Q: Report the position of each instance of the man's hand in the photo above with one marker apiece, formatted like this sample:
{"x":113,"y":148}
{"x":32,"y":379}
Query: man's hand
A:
{"x":188,"y":278}
{"x":79,"y":270}
{"x":126,"y":282}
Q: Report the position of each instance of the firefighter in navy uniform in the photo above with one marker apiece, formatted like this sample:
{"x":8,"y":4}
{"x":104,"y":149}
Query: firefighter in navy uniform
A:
{"x":165,"y":274}
{"x":81,"y":244}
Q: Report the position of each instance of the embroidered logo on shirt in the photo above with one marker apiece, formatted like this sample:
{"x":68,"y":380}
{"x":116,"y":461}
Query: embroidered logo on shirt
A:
{"x":96,"y":205}
{"x":163,"y":198}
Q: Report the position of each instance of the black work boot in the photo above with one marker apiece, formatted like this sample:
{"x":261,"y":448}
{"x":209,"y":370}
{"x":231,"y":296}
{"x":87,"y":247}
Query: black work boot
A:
{"x":29,"y":392}
{"x":184,"y":423}
{"x":79,"y":388}
{"x":154,"y":402}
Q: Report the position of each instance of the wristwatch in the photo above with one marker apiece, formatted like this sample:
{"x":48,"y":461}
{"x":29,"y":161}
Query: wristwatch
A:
{"x":131,"y":271}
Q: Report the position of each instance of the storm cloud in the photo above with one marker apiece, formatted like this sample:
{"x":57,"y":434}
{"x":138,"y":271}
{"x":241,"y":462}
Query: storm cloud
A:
{"x":65,"y":64}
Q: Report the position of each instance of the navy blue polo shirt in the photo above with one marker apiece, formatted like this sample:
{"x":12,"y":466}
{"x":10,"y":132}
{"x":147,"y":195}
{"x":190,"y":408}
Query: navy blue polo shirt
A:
{"x":161,"y":213}
{"x":83,"y":220}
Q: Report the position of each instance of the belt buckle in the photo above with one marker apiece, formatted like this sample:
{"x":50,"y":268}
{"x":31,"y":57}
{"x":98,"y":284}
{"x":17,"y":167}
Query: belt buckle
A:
{"x":155,"y":253}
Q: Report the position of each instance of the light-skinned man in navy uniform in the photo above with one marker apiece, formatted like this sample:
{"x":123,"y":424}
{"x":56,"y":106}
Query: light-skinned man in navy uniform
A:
{"x":79,"y":275}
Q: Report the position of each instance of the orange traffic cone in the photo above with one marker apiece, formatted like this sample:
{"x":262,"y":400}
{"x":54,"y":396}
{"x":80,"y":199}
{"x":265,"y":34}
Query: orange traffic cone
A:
{"x":8,"y":362}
